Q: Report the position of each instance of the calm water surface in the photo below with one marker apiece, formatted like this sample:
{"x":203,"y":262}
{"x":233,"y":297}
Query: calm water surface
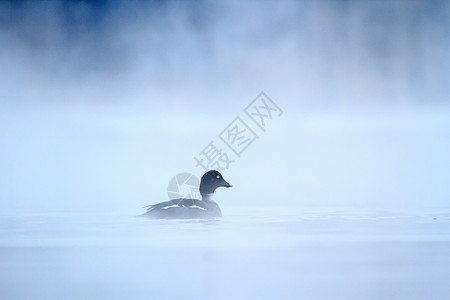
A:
{"x":264,"y":253}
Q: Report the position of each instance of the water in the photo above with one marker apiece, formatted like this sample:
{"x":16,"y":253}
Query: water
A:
{"x":263,"y":253}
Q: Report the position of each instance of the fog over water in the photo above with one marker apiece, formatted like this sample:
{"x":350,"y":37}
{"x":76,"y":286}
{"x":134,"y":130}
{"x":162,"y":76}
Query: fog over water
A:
{"x":102,"y":103}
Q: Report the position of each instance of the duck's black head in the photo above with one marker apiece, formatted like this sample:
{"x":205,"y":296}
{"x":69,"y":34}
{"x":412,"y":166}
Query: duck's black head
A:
{"x":211,"y":180}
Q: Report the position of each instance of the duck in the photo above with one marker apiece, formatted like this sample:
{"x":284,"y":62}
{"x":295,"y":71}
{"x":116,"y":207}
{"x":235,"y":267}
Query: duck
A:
{"x":185,"y":208}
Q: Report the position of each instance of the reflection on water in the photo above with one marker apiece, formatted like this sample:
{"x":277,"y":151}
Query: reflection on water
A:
{"x":262,"y":253}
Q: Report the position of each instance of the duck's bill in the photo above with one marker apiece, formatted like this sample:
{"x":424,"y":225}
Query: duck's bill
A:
{"x":226,"y":184}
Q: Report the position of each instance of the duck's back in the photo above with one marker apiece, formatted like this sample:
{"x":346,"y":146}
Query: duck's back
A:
{"x":184,"y":209}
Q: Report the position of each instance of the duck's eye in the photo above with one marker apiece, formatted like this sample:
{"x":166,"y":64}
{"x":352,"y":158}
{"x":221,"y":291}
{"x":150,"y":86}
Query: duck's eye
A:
{"x":218,"y":176}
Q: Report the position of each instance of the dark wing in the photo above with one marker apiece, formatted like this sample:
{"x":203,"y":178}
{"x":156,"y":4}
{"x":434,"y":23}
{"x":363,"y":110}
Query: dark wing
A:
{"x":183,"y":209}
{"x":176,"y":203}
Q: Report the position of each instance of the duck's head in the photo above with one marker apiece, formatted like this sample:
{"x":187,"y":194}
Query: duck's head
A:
{"x":211,"y":180}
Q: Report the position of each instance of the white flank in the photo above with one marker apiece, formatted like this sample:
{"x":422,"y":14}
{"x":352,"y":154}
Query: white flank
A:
{"x":196,"y":206}
{"x":170,"y":206}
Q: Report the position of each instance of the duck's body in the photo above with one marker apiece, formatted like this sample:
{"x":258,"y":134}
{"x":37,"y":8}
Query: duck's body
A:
{"x":182,"y":208}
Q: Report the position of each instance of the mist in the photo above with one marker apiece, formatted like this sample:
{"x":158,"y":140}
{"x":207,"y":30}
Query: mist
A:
{"x":101,"y":104}
{"x":342,"y":191}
